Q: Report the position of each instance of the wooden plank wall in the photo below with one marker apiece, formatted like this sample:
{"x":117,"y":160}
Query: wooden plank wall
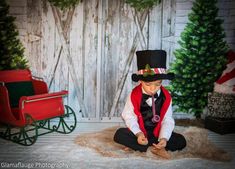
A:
{"x":226,"y":13}
{"x":99,"y":38}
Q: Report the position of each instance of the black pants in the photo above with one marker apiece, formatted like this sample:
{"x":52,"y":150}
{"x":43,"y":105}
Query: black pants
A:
{"x":125,"y":137}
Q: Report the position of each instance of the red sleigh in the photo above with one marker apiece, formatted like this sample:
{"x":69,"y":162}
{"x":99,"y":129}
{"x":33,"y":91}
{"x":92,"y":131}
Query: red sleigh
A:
{"x":27,"y":110}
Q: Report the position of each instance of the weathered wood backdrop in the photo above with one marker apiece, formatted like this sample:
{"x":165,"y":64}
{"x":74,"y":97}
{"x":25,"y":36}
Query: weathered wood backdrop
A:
{"x":89,"y":50}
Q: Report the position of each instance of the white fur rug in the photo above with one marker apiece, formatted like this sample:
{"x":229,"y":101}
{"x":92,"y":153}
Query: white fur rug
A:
{"x":198,"y":145}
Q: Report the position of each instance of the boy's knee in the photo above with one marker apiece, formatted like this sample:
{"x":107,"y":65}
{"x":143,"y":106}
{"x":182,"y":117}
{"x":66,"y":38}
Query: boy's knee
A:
{"x":117,"y":135}
{"x":181,"y":142}
{"x":176,"y":142}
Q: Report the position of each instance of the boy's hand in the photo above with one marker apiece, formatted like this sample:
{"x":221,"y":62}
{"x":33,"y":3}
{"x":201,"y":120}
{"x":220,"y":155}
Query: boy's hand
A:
{"x":161,"y":144}
{"x":141,"y":139}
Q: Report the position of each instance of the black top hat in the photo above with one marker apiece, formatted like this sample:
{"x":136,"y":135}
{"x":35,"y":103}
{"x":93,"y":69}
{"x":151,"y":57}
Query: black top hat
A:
{"x":151,"y":66}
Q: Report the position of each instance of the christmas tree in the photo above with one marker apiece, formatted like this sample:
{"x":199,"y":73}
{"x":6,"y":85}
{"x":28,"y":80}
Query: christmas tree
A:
{"x":11,"y":49}
{"x":200,"y":59}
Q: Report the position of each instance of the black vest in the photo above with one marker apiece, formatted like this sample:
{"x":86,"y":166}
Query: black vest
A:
{"x":147,"y":113}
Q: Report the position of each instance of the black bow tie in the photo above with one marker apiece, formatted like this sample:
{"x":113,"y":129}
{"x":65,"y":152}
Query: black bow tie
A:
{"x":145,"y":96}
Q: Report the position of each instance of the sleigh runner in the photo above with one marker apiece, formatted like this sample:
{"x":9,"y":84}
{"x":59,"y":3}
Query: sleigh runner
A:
{"x":28,"y":110}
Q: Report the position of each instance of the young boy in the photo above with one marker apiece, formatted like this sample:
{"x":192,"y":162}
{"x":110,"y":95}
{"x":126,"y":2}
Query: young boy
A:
{"x":150,"y":125}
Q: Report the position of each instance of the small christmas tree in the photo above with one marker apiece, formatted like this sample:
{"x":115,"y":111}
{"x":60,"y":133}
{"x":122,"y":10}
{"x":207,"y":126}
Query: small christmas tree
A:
{"x":200,"y":59}
{"x":11,"y":49}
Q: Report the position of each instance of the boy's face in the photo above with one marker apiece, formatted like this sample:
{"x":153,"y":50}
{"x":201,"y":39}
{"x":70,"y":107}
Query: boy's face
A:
{"x":151,"y":87}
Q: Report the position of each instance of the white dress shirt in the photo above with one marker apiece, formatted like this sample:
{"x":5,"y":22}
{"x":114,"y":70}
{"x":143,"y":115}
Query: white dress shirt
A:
{"x":131,"y":121}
